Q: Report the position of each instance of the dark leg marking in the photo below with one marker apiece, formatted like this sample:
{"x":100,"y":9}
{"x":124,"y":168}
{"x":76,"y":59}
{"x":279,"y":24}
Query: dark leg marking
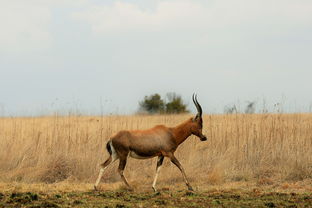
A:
{"x":121,"y":167}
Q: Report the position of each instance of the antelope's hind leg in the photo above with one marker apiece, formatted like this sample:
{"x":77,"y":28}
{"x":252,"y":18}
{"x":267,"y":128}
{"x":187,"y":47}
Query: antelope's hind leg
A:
{"x":103,"y":167}
{"x":121,"y":167}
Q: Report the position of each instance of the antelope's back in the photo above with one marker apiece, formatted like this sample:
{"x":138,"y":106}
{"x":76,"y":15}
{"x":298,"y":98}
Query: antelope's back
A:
{"x":146,"y":143}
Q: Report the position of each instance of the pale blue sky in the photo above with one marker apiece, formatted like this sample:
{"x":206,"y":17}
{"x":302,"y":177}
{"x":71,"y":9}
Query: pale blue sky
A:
{"x":76,"y":54}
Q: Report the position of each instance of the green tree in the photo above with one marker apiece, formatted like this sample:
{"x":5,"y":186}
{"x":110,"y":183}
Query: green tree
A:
{"x":152,"y":104}
{"x":155,"y":104}
{"x":175,"y":104}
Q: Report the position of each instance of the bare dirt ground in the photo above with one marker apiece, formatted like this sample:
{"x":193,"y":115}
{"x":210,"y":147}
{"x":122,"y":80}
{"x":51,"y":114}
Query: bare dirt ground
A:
{"x":227,"y":195}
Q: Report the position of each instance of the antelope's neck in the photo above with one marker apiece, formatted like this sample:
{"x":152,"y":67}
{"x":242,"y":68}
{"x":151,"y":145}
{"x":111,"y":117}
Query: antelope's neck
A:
{"x":182,"y":132}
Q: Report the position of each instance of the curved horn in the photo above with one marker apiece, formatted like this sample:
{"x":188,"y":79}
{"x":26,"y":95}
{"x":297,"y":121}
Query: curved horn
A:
{"x":198,"y":107}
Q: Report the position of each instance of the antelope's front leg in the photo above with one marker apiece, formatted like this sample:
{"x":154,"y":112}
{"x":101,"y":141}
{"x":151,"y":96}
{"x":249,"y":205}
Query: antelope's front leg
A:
{"x":177,"y":163}
{"x":159,"y":163}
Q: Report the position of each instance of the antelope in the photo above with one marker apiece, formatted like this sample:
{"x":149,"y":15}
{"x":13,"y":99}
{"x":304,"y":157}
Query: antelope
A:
{"x":159,"y":141}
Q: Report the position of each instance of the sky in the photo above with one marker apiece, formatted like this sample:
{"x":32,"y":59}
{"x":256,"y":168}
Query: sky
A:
{"x":104,"y":56}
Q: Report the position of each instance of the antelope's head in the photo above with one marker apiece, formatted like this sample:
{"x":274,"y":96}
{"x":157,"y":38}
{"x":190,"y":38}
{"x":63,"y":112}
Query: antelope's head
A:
{"x":197,"y":121}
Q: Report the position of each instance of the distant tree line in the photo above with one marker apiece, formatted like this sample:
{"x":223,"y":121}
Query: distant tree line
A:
{"x":154,"y":104}
{"x":174,"y":104}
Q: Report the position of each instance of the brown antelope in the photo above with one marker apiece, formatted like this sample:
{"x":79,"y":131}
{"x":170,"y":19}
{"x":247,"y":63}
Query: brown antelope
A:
{"x":160,"y":141}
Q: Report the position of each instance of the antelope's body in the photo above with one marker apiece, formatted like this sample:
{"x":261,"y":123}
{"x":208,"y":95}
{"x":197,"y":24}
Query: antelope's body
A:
{"x":158,"y":141}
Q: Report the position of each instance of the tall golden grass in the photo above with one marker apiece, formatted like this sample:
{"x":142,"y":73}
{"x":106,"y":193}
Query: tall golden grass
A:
{"x":263,"y":148}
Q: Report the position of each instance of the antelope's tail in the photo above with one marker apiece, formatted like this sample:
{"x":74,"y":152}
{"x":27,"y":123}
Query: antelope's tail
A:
{"x":108,"y":147}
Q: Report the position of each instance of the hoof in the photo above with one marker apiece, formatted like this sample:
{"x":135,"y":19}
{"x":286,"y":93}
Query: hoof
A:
{"x":190,"y":188}
{"x":95,"y":188}
{"x":155,"y":190}
{"x":130,"y":189}
{"x":157,"y":193}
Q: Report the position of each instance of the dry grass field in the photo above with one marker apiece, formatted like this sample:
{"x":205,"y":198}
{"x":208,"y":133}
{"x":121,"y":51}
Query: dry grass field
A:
{"x":254,"y":150}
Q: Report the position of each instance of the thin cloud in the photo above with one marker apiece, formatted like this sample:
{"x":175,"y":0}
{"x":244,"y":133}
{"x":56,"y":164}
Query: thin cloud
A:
{"x":24,"y":26}
{"x":121,"y":16}
{"x":126,"y":16}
